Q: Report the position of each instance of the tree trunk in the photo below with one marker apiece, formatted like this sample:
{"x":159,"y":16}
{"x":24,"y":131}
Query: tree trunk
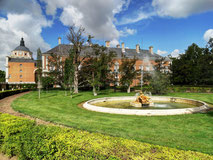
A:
{"x":66,"y":91}
{"x":71,"y":91}
{"x":39,"y":93}
{"x":128,"y":90}
{"x":76,"y":81}
{"x":94,"y":91}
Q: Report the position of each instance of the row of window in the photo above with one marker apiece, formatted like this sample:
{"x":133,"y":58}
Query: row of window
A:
{"x":11,"y":76}
{"x":24,"y":54}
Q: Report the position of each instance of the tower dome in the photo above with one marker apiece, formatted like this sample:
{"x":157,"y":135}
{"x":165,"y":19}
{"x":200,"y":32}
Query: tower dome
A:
{"x":21,"y":51}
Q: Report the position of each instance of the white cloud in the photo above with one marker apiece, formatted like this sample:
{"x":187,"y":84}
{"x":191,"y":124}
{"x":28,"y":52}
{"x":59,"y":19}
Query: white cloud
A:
{"x":20,"y":22}
{"x":96,"y":16}
{"x":161,"y":52}
{"x":208,"y":34}
{"x":175,"y":53}
{"x":181,"y":8}
{"x":171,"y":8}
{"x":114,"y":42}
{"x":127,"y":31}
{"x":140,"y":16}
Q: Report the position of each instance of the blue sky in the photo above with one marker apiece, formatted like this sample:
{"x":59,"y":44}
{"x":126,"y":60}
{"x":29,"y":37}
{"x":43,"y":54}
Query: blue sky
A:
{"x":168,"y":25}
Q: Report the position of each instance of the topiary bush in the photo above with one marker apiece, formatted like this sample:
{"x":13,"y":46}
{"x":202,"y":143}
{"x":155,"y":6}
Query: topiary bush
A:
{"x":22,"y":137}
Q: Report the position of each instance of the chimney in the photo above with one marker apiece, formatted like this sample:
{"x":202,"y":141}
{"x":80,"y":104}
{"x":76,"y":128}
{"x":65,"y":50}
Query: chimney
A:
{"x":123,"y":49}
{"x":137,"y":48}
{"x":118,"y":46}
{"x":59,"y":40}
{"x":107,"y":43}
{"x":151,"y":49}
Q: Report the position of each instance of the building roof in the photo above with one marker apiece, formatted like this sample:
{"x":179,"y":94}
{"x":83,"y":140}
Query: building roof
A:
{"x":22,"y":47}
{"x":63,"y":50}
{"x":21,"y":60}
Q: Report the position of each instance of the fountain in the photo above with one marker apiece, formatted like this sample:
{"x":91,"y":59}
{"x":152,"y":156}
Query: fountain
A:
{"x":143,"y":105}
{"x":142,"y":101}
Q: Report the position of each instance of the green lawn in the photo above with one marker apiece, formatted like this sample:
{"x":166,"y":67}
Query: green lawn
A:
{"x":188,"y":132}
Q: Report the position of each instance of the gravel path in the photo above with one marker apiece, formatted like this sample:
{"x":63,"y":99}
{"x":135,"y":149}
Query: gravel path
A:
{"x":5,"y":107}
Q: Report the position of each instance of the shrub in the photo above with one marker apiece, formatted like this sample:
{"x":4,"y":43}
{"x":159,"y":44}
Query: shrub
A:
{"x":4,"y":94}
{"x":159,"y":83}
{"x":27,"y":140}
{"x":191,"y":89}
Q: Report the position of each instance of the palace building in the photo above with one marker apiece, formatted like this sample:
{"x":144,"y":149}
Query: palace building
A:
{"x":145,"y":62}
{"x":20,"y":66}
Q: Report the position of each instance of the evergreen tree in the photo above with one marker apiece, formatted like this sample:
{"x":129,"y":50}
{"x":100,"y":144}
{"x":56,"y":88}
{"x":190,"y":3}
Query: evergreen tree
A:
{"x":2,"y":76}
{"x":39,"y":71}
{"x":69,"y":72}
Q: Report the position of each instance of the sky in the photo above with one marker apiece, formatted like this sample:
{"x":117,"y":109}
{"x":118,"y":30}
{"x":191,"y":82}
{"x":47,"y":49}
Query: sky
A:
{"x":170,"y":26}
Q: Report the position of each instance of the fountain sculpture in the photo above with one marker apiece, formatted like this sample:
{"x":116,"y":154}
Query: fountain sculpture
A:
{"x":142,"y":101}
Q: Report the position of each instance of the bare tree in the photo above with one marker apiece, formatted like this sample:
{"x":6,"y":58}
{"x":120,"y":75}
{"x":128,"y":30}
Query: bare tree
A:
{"x":75,"y":37}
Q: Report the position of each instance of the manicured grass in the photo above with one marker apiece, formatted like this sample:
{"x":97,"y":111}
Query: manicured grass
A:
{"x":188,"y":132}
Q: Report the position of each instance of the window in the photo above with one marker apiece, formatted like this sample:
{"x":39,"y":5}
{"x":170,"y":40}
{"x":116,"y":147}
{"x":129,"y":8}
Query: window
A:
{"x":15,"y":53}
{"x":25,"y":54}
{"x":20,"y":70}
{"x":9,"y":75}
{"x":20,"y":76}
{"x":20,"y":65}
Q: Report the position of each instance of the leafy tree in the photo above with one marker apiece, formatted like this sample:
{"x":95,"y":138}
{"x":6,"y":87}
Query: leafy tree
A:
{"x":56,"y":69}
{"x":195,"y":67}
{"x":47,"y":82}
{"x":128,"y":72}
{"x":96,"y":68}
{"x":2,"y":76}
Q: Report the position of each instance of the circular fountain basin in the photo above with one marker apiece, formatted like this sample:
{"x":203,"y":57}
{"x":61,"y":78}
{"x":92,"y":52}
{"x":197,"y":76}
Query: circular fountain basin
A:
{"x":162,"y":106}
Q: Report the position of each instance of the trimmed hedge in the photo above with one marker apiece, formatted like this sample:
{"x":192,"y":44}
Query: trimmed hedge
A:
{"x":191,"y":89}
{"x":25,"y":139}
{"x":6,"y":93}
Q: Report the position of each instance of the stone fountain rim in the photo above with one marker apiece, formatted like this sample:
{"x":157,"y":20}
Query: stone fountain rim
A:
{"x":148,"y":112}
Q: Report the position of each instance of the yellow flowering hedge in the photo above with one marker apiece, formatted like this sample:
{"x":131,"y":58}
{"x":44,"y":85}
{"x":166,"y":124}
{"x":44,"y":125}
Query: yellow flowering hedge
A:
{"x":25,"y":139}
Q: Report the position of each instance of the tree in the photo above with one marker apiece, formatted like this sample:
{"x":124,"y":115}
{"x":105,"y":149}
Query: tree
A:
{"x":39,"y":71}
{"x":160,"y":77}
{"x":195,"y":67}
{"x":128,"y":72}
{"x":2,"y":76}
{"x":75,"y":37}
{"x":69,"y":72}
{"x":96,"y":68}
{"x":56,"y":69}
{"x":47,"y":82}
